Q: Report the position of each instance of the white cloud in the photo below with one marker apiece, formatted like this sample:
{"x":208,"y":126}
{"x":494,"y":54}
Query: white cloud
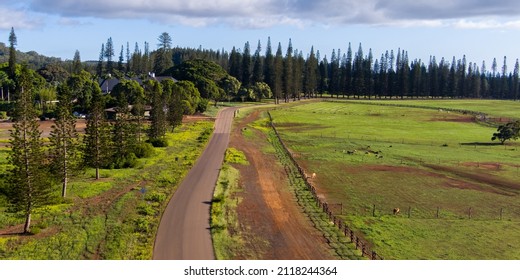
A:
{"x":268,"y":13}
{"x":486,"y":24}
{"x":17,"y":19}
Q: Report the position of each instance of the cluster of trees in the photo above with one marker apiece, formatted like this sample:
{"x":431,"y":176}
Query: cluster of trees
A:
{"x":36,"y":168}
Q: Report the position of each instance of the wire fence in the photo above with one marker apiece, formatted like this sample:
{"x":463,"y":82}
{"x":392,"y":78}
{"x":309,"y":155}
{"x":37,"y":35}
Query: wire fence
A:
{"x":360,"y":243}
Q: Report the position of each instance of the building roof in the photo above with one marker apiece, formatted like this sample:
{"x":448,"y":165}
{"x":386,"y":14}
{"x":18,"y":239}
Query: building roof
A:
{"x":108,"y":84}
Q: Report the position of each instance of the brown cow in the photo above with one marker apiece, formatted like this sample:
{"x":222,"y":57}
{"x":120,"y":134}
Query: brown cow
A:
{"x":396,"y":211}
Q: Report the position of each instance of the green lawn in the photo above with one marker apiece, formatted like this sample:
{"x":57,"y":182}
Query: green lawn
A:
{"x":424,"y":160}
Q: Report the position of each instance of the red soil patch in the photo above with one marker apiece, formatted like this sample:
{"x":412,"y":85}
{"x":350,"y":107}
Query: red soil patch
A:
{"x":496,"y":183}
{"x":483,"y":165}
{"x":463,"y":119}
{"x":454,"y":177}
{"x":45,"y":128}
{"x":272,"y":222}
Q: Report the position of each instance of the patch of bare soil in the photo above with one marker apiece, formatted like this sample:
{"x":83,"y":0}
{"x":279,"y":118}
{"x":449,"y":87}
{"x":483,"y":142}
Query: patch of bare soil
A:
{"x":274,"y":225}
{"x":463,"y":119}
{"x":45,"y":128}
{"x":453,"y":177}
{"x":498,"y":184}
{"x":195,"y":118}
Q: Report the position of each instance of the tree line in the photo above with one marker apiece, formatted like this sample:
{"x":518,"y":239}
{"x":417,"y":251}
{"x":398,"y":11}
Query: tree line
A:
{"x":355,"y":74}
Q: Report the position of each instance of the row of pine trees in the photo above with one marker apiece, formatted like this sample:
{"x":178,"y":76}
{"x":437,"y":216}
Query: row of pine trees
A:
{"x":393,"y":75}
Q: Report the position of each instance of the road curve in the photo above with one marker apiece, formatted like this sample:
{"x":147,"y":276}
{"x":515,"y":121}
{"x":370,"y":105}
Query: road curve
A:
{"x":184,"y":230}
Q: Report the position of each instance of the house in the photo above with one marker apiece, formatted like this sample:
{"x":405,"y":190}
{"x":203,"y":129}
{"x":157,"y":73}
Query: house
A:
{"x":112,"y":113}
{"x":108,"y":84}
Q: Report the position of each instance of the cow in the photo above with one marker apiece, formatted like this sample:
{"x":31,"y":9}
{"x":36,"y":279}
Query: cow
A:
{"x":396,"y":211}
{"x":313,"y":175}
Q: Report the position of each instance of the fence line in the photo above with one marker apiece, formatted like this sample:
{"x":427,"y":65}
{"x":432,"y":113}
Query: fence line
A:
{"x":360,"y":243}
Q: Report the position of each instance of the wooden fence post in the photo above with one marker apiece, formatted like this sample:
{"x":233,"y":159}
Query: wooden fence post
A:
{"x":409,"y":211}
{"x":501,"y":212}
{"x":469,"y":213}
{"x":438,"y":210}
{"x":374,"y":211}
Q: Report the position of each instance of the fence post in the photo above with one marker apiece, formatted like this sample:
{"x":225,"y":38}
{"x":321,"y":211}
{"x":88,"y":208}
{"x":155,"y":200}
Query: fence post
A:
{"x":374,"y":211}
{"x":501,"y":212}
{"x":438,"y":210}
{"x":469,"y":213}
{"x":409,"y":211}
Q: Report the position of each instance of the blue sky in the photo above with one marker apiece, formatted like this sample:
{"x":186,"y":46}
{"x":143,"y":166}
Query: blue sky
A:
{"x":479,"y":29}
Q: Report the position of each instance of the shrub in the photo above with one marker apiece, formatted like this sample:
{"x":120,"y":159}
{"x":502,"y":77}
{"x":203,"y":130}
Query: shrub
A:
{"x":145,"y":209}
{"x":144,"y":150}
{"x":155,"y":197}
{"x":203,"y":105}
{"x":128,"y":161}
{"x":142,"y":225}
{"x":158,"y":142}
{"x":204,"y":136}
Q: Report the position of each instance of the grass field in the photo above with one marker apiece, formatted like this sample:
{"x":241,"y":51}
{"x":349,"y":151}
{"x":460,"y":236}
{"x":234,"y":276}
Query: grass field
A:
{"x":494,"y":108}
{"x":457,"y":191}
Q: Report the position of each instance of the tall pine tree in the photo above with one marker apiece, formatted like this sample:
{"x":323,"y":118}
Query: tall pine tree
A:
{"x":64,"y":140}
{"x":30,"y":186}
{"x":97,"y":153}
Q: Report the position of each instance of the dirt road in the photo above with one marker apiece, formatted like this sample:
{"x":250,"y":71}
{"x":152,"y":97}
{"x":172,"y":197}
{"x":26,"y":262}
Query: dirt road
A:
{"x":274,"y":226}
{"x":184,"y":231}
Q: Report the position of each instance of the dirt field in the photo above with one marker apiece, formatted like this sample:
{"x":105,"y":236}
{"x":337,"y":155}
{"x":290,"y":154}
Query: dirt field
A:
{"x":45,"y":128}
{"x":274,"y":224}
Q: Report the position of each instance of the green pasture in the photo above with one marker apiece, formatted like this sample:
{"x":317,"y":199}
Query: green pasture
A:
{"x":493,"y":108}
{"x":435,"y":164}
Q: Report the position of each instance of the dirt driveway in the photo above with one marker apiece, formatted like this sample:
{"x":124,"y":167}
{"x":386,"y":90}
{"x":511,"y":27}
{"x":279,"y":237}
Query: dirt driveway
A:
{"x":275,"y":226}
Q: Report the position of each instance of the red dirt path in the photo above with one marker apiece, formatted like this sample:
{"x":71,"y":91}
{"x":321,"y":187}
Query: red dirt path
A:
{"x":269,"y":215}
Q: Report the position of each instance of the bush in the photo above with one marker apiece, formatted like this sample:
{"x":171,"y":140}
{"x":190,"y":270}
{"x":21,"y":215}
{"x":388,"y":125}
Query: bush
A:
{"x":129,"y":161}
{"x":144,"y":150}
{"x":3,"y":115}
{"x":142,"y":225}
{"x":158,"y":142}
{"x":145,"y":209}
{"x":155,"y":197}
{"x":203,"y":105}
{"x":204,"y":136}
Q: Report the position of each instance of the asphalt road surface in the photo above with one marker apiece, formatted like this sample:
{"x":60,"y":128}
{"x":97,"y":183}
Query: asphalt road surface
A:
{"x":184,"y":230}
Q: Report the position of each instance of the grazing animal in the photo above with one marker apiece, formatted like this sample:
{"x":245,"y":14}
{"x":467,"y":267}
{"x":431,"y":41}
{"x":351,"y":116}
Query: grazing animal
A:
{"x":313,"y":175}
{"x":396,"y":211}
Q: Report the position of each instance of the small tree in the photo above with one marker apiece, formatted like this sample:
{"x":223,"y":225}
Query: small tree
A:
{"x":97,"y":135}
{"x":261,"y":90}
{"x":64,"y":140}
{"x":509,"y":131}
{"x":157,"y":115}
{"x":124,"y":136}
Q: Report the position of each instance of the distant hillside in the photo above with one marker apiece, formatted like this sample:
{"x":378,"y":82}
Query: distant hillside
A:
{"x":34,"y":59}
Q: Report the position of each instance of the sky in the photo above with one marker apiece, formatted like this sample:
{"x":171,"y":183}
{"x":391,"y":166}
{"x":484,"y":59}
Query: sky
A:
{"x":480,"y":29}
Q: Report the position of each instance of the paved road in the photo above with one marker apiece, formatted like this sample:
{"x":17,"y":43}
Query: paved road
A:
{"x":184,"y":232}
